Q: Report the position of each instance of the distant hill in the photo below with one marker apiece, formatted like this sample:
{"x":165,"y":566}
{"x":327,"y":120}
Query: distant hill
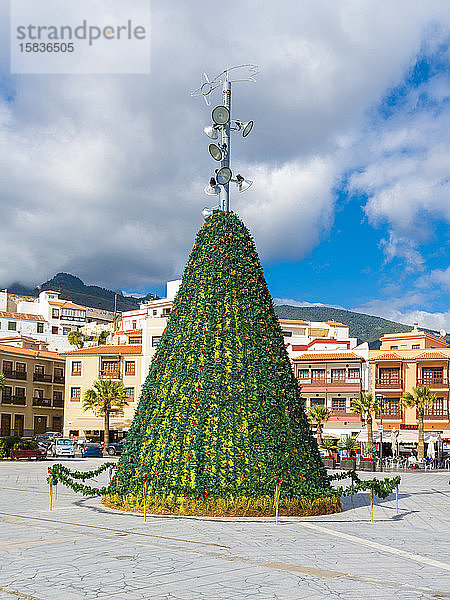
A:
{"x":367,"y":328}
{"x":87,"y":295}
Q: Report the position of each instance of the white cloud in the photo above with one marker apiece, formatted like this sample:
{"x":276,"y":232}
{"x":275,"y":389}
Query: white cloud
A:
{"x":105,"y":175}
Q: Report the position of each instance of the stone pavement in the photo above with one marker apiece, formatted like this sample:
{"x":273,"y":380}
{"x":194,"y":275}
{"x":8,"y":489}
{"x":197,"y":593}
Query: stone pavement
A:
{"x":82,"y":550}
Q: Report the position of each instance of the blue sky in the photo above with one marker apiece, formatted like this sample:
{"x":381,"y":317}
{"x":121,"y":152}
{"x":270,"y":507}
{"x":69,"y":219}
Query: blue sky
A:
{"x":349,"y":155}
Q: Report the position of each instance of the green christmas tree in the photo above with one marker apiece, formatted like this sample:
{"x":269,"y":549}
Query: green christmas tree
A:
{"x":221,"y":413}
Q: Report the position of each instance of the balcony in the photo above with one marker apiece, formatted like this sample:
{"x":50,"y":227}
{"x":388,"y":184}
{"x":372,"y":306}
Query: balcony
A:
{"x":107,"y":374}
{"x":330,"y":381}
{"x":59,"y":379}
{"x":58,"y":403}
{"x":42,"y":377}
{"x":391,"y":412}
{"x":434,"y":382}
{"x":438,"y":412}
{"x":12,"y":374}
{"x":391,"y":383}
{"x":16,"y":400}
{"x":46,"y":402}
{"x":335,"y":412}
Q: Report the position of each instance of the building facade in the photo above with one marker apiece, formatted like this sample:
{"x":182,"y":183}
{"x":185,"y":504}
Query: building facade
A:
{"x":405,"y":361}
{"x":83,"y":368}
{"x":32,"y":400}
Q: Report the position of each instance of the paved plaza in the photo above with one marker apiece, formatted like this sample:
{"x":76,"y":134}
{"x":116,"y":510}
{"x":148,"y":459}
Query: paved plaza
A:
{"x":81,"y":550}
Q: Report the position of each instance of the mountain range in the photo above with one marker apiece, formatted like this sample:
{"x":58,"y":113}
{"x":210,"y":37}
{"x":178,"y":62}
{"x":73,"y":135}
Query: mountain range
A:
{"x":367,"y":328}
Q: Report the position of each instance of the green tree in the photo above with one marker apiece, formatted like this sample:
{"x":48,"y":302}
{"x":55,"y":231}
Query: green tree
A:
{"x":365,"y":406}
{"x":76,"y":338}
{"x":102,"y":337}
{"x":221,"y":412}
{"x":318,"y":415}
{"x":350,"y":444}
{"x":330,"y":445}
{"x":104,"y":398}
{"x":420,"y":399}
{"x":2,"y":380}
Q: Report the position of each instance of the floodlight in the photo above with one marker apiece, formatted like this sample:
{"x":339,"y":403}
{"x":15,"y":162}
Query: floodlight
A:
{"x":211,"y":132}
{"x":242,"y":184}
{"x":246,"y":128}
{"x":223,"y":175}
{"x":221,"y":115}
{"x":212,"y":189}
{"x":215,"y":152}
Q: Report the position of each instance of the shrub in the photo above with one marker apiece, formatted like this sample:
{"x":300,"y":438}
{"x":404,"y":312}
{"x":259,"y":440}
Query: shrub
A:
{"x":6,"y":445}
{"x":25,"y":445}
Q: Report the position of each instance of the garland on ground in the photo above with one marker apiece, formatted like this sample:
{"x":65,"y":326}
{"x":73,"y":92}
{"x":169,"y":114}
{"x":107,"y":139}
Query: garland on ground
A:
{"x":61,"y":474}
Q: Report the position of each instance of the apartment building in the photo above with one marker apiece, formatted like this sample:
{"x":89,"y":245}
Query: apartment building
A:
{"x":405,"y":361}
{"x":83,"y":368}
{"x":332,"y":380}
{"x":32,"y":399}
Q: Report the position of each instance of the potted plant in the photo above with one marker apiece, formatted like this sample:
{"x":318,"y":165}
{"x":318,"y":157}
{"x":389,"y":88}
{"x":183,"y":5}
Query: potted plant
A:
{"x":349,"y":445}
{"x":367,"y":463}
{"x":331,"y":447}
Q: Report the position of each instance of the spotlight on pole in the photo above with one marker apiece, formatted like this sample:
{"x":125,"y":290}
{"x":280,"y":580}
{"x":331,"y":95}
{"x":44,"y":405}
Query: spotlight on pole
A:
{"x":212,"y":189}
{"x":223,"y":175}
{"x":220,"y":115}
{"x":246,"y":128}
{"x":242,"y":184}
{"x":208,"y":212}
{"x":215,"y":152}
{"x":211,"y":132}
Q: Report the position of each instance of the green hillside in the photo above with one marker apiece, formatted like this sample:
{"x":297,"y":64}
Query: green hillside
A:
{"x":366,"y":328}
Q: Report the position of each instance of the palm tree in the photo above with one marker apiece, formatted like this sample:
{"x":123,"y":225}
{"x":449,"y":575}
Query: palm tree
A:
{"x":105,"y":397}
{"x":365,"y":406}
{"x":350,"y":444}
{"x":75,"y":338}
{"x":318,"y":415}
{"x":329,"y":444}
{"x":420,"y":398}
{"x":2,"y":380}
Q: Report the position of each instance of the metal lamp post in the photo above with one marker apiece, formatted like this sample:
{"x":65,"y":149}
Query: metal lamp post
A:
{"x":221,"y":115}
{"x":381,"y":399}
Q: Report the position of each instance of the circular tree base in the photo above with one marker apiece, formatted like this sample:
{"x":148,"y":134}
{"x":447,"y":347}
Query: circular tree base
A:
{"x":226,"y":507}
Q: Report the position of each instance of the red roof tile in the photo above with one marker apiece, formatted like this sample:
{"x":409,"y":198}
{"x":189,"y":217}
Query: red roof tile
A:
{"x":310,"y":357}
{"x":99,"y":350}
{"x":21,"y":316}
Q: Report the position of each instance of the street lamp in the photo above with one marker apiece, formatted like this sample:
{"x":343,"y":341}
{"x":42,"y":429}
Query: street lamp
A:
{"x":381,"y":400}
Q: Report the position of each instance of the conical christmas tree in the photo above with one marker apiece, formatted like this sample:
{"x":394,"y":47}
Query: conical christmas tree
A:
{"x":220,"y":413}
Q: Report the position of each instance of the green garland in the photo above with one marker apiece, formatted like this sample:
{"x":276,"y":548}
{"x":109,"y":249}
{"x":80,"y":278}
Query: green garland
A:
{"x":61,"y":474}
{"x":378,"y":487}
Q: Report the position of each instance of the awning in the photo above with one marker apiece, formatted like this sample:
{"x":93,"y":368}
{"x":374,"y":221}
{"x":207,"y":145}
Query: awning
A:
{"x":405,"y":437}
{"x":97,"y":423}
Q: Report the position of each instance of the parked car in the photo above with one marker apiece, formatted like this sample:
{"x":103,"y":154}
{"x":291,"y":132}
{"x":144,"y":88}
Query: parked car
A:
{"x":62,"y":447}
{"x":91,"y":449}
{"x":45,"y":439}
{"x":115,"y":447}
{"x":38,"y":453}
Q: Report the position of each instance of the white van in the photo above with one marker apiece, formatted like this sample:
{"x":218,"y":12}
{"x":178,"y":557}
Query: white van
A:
{"x":62,"y":447}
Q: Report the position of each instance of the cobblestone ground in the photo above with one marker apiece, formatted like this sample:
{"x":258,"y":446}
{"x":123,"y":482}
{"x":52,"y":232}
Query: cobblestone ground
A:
{"x":81,"y":550}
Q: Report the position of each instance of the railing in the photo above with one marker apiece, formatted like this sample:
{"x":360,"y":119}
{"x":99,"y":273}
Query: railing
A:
{"x":438,"y":411}
{"x":42,"y":402}
{"x":15,"y":374}
{"x":389,"y":383}
{"x":106,"y":374}
{"x":436,"y":382}
{"x":330,"y":380}
{"x":17,"y":400}
{"x":393,"y":411}
{"x":58,"y":403}
{"x":58,"y":379}
{"x":70,"y":318}
{"x":42,"y":377}
{"x":335,"y":412}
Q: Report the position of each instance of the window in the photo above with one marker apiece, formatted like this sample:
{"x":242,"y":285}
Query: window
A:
{"x":317,"y":402}
{"x":12,"y":325}
{"x":133,"y":325}
{"x":110,"y":366}
{"x":59,"y":372}
{"x":394,"y":347}
{"x":21,"y":367}
{"x":338,"y":404}
{"x":303,"y":374}
{"x":287,"y":333}
{"x":338,"y":374}
{"x":54,"y":330}
{"x":58,"y":401}
{"x":155,"y":340}
{"x":66,"y":330}
{"x":39,"y":369}
{"x":415,"y":346}
{"x":55,"y":313}
{"x":155,"y":312}
{"x":318,"y":374}
{"x":20,"y":392}
{"x":130,"y":394}
{"x":6,"y":395}
{"x":166,"y":312}
{"x":57,"y":395}
{"x":354,"y":373}
{"x":130,"y":367}
{"x":40,"y":328}
{"x":76,"y":367}
{"x":432,"y":375}
{"x":38,"y":393}
{"x":7,"y":366}
{"x":75,"y":394}
{"x":134,"y":340}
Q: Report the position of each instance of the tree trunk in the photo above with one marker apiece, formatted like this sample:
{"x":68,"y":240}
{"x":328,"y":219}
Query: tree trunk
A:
{"x":421,"y":445}
{"x":319,"y":434}
{"x":106,"y":435}
{"x":369,"y":433}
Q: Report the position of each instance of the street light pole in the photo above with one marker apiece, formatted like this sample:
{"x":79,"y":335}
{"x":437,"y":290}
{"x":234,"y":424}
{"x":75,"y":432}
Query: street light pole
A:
{"x":381,"y":399}
{"x":225,"y":189}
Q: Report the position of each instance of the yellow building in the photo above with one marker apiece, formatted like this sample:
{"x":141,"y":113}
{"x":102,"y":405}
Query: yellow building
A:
{"x":407,"y":360}
{"x":33,"y":396}
{"x":83,"y":368}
